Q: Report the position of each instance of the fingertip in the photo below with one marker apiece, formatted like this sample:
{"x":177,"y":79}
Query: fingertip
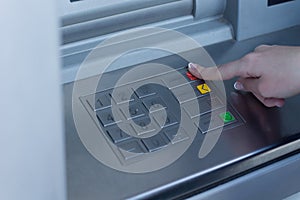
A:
{"x":274,"y":102}
{"x":194,"y":69}
{"x":191,"y":66}
{"x":280,"y":104}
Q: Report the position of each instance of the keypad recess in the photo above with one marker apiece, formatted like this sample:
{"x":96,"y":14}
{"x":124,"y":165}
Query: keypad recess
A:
{"x":147,"y":102}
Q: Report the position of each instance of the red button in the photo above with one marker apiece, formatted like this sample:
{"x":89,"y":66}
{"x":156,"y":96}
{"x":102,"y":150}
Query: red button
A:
{"x":191,"y":76}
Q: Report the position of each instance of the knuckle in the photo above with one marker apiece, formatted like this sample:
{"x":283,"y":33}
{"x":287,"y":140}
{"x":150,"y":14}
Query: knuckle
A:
{"x":249,"y":58}
{"x":260,"y":47}
{"x":248,"y":63}
{"x":263,"y":46}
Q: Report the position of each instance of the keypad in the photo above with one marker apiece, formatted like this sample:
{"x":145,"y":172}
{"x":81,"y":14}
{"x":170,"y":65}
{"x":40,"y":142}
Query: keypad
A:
{"x":148,"y":117}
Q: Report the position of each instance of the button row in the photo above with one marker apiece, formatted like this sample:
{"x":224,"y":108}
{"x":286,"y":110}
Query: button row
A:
{"x":143,"y":124}
{"x":219,"y":119}
{"x":128,"y":143}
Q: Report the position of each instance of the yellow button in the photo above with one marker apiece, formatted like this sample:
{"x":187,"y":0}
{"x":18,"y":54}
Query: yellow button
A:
{"x":203,"y":88}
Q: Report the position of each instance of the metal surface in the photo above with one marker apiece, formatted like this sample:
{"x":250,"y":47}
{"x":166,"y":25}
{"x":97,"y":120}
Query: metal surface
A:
{"x":32,"y":162}
{"x":276,"y":181}
{"x":268,"y":134}
{"x":247,"y":25}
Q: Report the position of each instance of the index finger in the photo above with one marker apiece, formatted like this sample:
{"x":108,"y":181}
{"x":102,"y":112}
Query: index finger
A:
{"x":223,"y":72}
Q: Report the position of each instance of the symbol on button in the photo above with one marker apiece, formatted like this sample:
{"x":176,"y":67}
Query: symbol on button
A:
{"x":227,"y":117}
{"x":191,"y":76}
{"x":203,"y":88}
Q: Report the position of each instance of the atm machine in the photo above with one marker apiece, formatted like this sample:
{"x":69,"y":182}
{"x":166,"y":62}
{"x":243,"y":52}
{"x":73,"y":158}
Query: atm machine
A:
{"x":137,"y":124}
{"x":248,"y":152}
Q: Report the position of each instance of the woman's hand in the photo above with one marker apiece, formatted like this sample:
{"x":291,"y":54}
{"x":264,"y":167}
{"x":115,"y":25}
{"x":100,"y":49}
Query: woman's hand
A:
{"x":271,"y":73}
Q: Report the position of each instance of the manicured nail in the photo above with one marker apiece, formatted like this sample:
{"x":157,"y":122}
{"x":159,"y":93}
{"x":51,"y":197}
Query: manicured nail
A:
{"x":279,"y":105}
{"x":238,"y":85}
{"x":192,"y":66}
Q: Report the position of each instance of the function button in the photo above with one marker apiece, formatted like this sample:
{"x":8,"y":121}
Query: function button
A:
{"x":164,"y":122}
{"x":219,"y":120}
{"x":99,"y":101}
{"x":227,"y":117}
{"x":190,"y":76}
{"x":136,"y":109}
{"x":205,"y":105}
{"x":154,"y":103}
{"x":190,"y":106}
{"x":106,"y":117}
{"x":182,"y":94}
{"x":117,"y":135}
{"x":122,"y":95}
{"x":204,"y":88}
{"x":143,"y":125}
{"x":155,"y":142}
{"x":131,"y":148}
{"x":173,"y":79}
{"x":176,"y":135}
{"x":216,"y":103}
{"x":209,"y":123}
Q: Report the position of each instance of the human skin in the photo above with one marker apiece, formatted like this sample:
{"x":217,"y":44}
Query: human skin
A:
{"x":271,"y":73}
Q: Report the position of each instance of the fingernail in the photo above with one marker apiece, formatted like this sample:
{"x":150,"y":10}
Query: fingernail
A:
{"x":192,"y":66}
{"x":279,"y":105}
{"x":238,"y":85}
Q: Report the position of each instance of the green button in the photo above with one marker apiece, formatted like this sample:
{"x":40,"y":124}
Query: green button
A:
{"x":227,"y":117}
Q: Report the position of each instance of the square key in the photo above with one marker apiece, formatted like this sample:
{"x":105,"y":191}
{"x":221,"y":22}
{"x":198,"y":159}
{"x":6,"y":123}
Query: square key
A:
{"x":190,"y":76}
{"x":174,"y":79}
{"x":159,"y":118}
{"x":204,"y":104}
{"x":176,"y":135}
{"x":99,"y":101}
{"x":143,"y":126}
{"x":155,"y":142}
{"x":131,"y":148}
{"x":152,"y":102}
{"x":184,"y":93}
{"x":136,"y":109}
{"x":106,"y":117}
{"x":117,"y":135}
{"x":189,"y":107}
{"x":216,"y":102}
{"x":204,"y":88}
{"x":208,"y":123}
{"x":145,"y":91}
{"x":227,"y":117}
{"x":122,"y":95}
